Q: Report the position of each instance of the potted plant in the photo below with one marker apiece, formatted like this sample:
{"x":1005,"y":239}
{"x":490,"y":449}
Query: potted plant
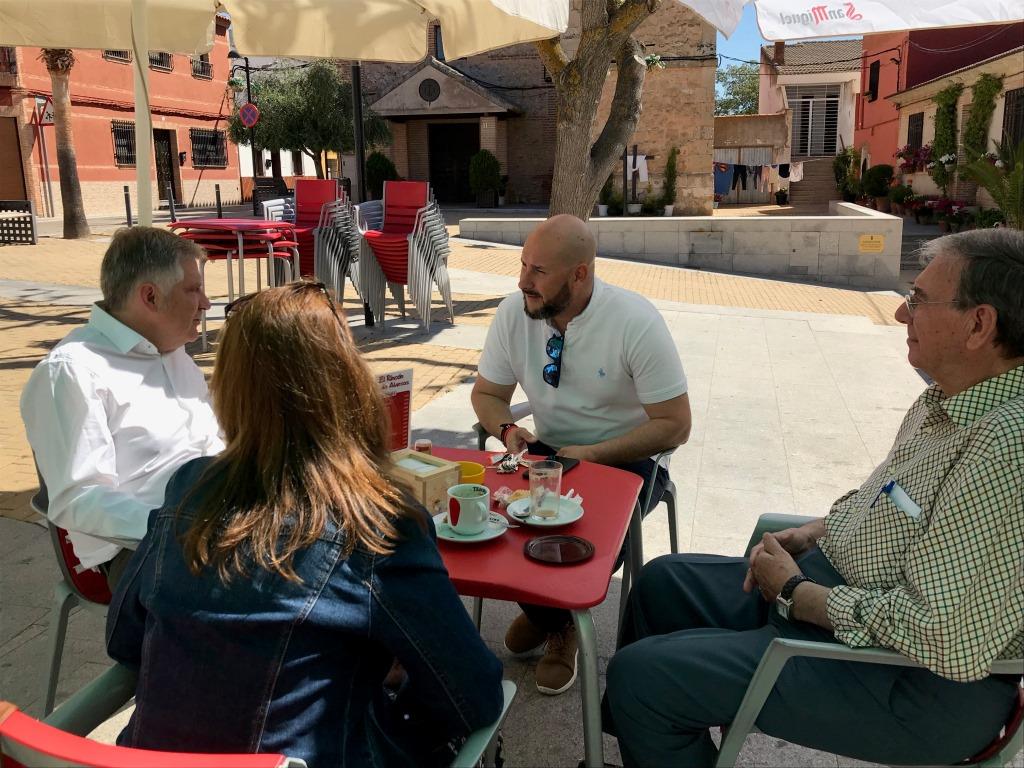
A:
{"x":948,"y":162}
{"x":484,"y":178}
{"x":898,"y":197}
{"x":502,"y":189}
{"x":877,"y":180}
{"x":782,"y":196}
{"x":718,"y":199}
{"x":947,"y":213}
{"x":844,"y":169}
{"x":379,"y":169}
{"x":604,"y":197}
{"x":668,"y":190}
{"x":1003,"y":179}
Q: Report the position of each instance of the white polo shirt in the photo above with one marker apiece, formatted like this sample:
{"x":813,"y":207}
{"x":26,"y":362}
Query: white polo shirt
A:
{"x":110,"y":419}
{"x":617,"y":356}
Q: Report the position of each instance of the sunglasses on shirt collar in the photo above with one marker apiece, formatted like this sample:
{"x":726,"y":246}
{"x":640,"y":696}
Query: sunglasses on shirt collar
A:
{"x":552,"y":372}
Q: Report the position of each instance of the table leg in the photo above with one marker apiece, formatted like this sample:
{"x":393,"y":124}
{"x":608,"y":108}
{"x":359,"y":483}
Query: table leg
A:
{"x":590,"y":689}
{"x":636,"y":544}
{"x":241,"y":265}
{"x":231,"y":279}
{"x":478,"y":611}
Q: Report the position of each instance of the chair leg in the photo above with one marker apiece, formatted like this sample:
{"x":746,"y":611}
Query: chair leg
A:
{"x":623,"y":593}
{"x":673,"y":520}
{"x":202,"y":284}
{"x":478,"y":611}
{"x":63,"y":601}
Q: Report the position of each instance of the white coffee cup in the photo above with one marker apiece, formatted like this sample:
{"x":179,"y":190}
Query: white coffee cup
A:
{"x":468,"y":506}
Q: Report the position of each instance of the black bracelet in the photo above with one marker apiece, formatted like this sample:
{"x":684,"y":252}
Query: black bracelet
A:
{"x":504,"y":429}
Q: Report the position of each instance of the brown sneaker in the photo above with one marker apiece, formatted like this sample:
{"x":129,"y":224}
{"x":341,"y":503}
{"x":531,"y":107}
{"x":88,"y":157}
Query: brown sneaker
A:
{"x":523,"y":636}
{"x":556,"y":671}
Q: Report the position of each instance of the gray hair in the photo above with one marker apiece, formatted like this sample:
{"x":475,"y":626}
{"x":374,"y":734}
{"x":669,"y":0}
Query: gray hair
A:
{"x":143,"y":255}
{"x":992,"y":273}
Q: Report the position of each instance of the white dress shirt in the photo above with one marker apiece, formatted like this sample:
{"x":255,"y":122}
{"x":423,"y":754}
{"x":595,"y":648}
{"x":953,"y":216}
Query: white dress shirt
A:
{"x":110,"y":419}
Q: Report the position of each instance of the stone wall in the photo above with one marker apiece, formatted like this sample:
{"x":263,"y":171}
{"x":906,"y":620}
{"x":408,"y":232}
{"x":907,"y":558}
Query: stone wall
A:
{"x":852,"y":246}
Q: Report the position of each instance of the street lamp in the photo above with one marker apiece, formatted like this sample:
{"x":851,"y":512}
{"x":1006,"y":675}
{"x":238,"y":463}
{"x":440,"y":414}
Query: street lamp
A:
{"x":252,"y":136}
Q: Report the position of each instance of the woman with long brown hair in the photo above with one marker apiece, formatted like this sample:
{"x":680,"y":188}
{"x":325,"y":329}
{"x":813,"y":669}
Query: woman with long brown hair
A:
{"x":282,"y":578}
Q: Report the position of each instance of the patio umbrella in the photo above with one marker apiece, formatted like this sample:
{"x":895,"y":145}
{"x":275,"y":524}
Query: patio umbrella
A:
{"x":381,"y":30}
{"x":783,"y":20}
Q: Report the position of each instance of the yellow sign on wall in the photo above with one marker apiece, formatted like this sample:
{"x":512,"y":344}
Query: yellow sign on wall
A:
{"x":871,"y":243}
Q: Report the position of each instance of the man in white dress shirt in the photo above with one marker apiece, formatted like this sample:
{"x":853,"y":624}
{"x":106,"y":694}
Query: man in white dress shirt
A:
{"x":118,"y":405}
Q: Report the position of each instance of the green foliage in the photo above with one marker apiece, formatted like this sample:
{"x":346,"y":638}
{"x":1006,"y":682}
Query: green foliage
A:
{"x":736,"y":89}
{"x":877,"y":179}
{"x":307,"y":109}
{"x":1003,"y":180}
{"x":900,"y":194}
{"x":989,"y":217}
{"x":844,"y":168}
{"x":983,"y":104}
{"x":944,"y":142}
{"x":484,"y":173}
{"x":605,"y":196}
{"x":379,"y":169}
{"x":668,"y":190}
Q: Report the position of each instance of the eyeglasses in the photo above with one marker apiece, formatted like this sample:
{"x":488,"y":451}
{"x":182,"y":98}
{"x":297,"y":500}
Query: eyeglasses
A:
{"x":296,"y":287}
{"x":552,"y":372}
{"x":913,"y":303}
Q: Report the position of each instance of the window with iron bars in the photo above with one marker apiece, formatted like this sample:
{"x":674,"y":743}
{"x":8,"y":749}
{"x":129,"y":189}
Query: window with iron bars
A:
{"x":209,"y":148}
{"x":160,"y":60}
{"x":8,"y":61}
{"x":201,"y":67}
{"x":915,"y":130}
{"x":1013,"y":117}
{"x":124,"y":141}
{"x":124,"y":57}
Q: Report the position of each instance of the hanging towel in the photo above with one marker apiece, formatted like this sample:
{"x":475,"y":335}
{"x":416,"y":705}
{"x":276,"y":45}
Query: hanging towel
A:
{"x":766,"y":178}
{"x":640,"y":166}
{"x":796,"y":172}
{"x":784,"y":171}
{"x":739,"y":175}
{"x":723,"y":177}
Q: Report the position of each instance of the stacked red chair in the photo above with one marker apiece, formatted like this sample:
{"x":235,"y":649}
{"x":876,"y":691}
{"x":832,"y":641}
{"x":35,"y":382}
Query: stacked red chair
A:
{"x":409,"y":249}
{"x":310,"y":197}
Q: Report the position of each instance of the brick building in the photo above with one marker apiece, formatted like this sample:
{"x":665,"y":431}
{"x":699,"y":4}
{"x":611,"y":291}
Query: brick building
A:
{"x":442,"y":112}
{"x":190,"y":106}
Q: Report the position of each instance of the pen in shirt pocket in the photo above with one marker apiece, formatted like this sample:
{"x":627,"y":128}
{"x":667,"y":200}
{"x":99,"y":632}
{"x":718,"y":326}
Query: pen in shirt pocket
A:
{"x":900,"y":499}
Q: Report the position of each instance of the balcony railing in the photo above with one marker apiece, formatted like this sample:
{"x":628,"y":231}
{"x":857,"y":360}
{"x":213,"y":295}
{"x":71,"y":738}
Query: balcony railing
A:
{"x":161,"y":61}
{"x":8,"y":61}
{"x":201,"y":68}
{"x":122,"y":57}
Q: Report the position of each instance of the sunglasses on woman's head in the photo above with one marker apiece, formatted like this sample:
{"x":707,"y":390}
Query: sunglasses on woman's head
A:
{"x":296,"y":287}
{"x":552,"y":372}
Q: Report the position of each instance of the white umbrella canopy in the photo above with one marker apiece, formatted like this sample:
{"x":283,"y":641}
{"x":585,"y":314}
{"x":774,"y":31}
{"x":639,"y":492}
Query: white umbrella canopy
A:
{"x":377,"y":30}
{"x":782,"y":20}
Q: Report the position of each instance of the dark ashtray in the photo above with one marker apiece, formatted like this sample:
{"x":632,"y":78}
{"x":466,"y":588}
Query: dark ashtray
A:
{"x":558,"y":549}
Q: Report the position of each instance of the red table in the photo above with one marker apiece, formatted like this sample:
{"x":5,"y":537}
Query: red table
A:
{"x":244,"y":234}
{"x":498,"y":569}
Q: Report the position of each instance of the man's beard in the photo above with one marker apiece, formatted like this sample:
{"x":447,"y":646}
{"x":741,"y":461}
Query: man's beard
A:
{"x":549,"y":309}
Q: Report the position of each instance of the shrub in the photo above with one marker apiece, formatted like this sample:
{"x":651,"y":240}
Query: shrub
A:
{"x":900,"y":194}
{"x":484,"y":173}
{"x":844,"y":168}
{"x":1003,"y":180}
{"x":877,"y":179}
{"x":378,"y":170}
{"x":605,"y":195}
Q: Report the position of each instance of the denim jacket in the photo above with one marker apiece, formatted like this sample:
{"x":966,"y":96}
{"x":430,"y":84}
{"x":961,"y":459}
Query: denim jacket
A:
{"x":268,"y":665}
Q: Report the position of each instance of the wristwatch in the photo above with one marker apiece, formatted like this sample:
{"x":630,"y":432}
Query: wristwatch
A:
{"x":784,"y":602}
{"x":504,"y":428}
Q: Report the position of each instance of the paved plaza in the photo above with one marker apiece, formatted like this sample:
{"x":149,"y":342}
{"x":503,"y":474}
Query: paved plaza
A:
{"x":797,"y":390}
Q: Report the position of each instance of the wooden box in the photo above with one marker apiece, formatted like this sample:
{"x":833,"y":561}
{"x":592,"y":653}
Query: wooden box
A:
{"x":428,"y":477}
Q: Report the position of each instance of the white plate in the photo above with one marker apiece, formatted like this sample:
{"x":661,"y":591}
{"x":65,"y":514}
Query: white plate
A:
{"x":496,"y":526}
{"x":568,"y":512}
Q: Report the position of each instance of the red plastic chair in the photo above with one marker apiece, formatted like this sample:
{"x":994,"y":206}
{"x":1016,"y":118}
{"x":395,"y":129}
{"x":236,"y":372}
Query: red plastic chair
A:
{"x":27,"y":743}
{"x":78,"y":586}
{"x":310,"y":197}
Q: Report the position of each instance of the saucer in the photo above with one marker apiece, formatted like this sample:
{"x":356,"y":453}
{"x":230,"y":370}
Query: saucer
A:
{"x":493,"y":530}
{"x":568,"y":512}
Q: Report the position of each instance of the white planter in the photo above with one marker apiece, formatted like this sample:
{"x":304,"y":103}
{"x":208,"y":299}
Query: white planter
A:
{"x":501,"y":200}
{"x":668,"y":209}
{"x":714,"y":204}
{"x":633,"y":208}
{"x":602,"y":210}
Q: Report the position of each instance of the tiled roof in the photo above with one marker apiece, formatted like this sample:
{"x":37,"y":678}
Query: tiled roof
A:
{"x":818,"y":56}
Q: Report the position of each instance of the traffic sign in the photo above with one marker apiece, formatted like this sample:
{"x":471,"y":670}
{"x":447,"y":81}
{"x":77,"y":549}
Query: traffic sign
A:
{"x":44,"y":110}
{"x":249,"y":114}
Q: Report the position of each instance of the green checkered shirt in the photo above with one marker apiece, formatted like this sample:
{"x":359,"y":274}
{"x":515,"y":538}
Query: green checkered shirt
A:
{"x":945,"y":588}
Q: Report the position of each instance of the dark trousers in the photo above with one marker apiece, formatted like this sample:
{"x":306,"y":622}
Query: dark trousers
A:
{"x":557,"y":619}
{"x":691,"y":640}
{"x":739,"y":176}
{"x":114,"y":569}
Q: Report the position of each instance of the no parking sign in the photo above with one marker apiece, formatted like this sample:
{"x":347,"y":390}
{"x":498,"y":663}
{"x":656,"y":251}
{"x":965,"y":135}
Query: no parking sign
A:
{"x":249,"y":114}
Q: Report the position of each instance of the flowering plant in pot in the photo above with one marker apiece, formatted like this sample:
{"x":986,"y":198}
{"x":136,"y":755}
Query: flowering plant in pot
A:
{"x":782,"y":196}
{"x":718,"y":199}
{"x":948,"y":161}
{"x":898,"y":197}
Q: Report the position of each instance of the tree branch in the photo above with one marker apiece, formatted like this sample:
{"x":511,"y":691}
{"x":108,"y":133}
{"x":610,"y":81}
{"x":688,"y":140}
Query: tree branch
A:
{"x":625,"y":109}
{"x":628,"y":17}
{"x":553,"y":56}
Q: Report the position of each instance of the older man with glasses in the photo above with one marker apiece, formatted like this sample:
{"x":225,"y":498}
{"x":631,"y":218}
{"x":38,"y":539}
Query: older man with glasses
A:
{"x":603,"y":377}
{"x":924,"y":558}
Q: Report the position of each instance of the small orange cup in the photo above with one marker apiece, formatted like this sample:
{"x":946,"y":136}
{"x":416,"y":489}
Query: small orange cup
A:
{"x":471,"y":472}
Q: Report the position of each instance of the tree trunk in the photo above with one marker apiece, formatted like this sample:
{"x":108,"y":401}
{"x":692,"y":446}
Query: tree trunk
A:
{"x":275,"y":165}
{"x":318,"y":161}
{"x":75,"y":223}
{"x":582,"y":166}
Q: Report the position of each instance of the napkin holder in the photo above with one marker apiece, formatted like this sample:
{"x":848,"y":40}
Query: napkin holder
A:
{"x":428,"y":477}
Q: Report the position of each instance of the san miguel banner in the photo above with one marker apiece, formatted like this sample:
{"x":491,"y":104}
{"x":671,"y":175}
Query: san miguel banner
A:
{"x":795,"y":20}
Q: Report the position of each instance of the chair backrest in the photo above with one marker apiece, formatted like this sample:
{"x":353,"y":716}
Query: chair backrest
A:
{"x":279,"y":209}
{"x":402,"y":200}
{"x":310,"y":197}
{"x":87,"y":583}
{"x":24,"y":741}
